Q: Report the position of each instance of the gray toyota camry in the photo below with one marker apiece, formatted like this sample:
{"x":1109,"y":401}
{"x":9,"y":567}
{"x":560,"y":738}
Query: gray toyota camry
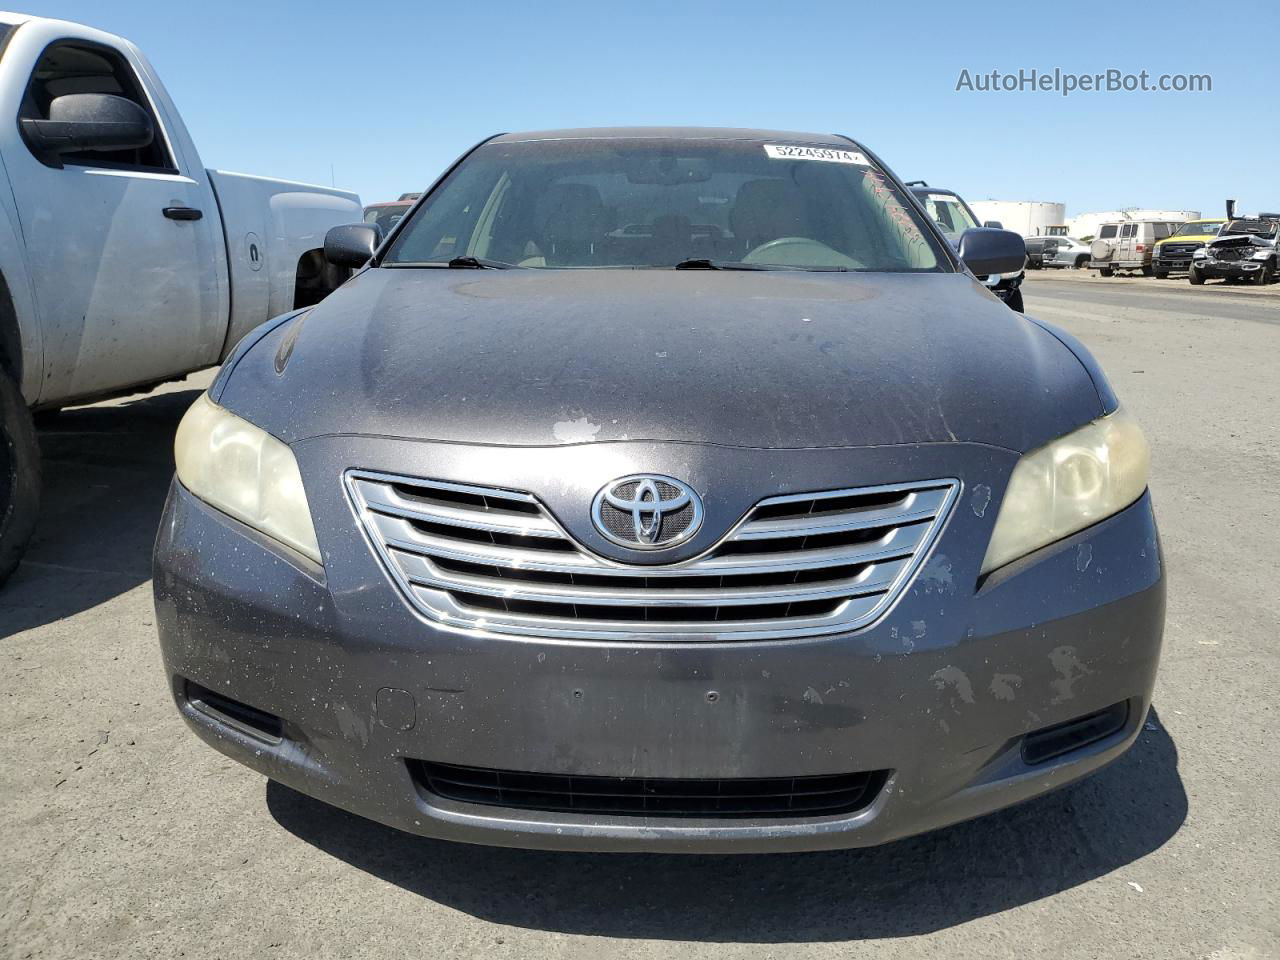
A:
{"x":663,"y":489}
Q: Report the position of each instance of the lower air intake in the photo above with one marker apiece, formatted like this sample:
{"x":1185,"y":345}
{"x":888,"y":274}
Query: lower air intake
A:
{"x":749,"y":798}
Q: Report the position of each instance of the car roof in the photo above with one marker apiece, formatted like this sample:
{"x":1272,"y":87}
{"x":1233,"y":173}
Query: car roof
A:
{"x":674,"y":133}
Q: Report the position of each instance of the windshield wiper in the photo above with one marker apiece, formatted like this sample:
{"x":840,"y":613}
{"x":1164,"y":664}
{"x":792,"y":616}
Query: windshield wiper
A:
{"x":479,"y":263}
{"x":701,"y":263}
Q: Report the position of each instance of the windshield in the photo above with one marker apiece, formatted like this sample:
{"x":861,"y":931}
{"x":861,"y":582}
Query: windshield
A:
{"x":386,"y":216}
{"x":1203,"y":228}
{"x":949,"y":212}
{"x":1258,"y":228}
{"x":657,"y":202}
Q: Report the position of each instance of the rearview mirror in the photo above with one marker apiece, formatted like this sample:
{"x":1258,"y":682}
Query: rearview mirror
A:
{"x":352,"y":244}
{"x":986,"y":251}
{"x":89,"y":121}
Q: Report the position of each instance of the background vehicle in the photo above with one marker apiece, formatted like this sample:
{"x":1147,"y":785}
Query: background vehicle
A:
{"x":1175,"y":253}
{"x":1244,"y":250}
{"x":954,"y":216}
{"x":1063,"y":251}
{"x":1036,"y":251}
{"x":386,"y":215}
{"x":1127,"y":245}
{"x":123,"y":262}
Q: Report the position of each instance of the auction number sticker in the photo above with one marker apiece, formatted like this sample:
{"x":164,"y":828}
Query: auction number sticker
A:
{"x":825,"y":154}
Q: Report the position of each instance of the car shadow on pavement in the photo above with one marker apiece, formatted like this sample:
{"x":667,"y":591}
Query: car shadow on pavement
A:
{"x":106,"y":472}
{"x":909,"y":887}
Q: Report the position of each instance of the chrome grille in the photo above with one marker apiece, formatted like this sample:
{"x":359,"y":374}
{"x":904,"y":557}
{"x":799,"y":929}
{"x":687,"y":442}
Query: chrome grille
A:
{"x":496,"y":560}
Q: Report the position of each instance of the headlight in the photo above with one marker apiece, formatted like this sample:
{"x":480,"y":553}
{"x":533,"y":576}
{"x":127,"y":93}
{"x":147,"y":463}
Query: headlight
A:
{"x":245,"y":472}
{"x":1069,"y":484}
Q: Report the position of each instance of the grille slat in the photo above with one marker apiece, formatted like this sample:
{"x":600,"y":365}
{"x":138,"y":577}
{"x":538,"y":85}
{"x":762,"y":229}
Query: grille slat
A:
{"x":875,"y":578}
{"x":386,"y":500}
{"x":797,"y":564}
{"x":815,"y":524}
{"x":827,"y":795}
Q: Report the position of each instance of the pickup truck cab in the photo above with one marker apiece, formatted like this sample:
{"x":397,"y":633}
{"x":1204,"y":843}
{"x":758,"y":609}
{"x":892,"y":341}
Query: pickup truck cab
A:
{"x":1176,"y":252}
{"x":123,"y":261}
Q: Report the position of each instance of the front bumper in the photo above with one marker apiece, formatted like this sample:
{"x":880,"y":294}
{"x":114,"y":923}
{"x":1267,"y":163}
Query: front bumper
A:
{"x":1171,"y":262}
{"x":939,"y":692}
{"x":1229,"y":269}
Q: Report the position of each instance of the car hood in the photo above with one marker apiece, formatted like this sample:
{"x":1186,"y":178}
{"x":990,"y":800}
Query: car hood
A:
{"x":753,"y":359}
{"x":1241,"y":240}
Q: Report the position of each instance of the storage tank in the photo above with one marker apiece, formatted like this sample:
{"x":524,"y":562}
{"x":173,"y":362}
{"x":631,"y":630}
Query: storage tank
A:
{"x":1086,"y":224}
{"x":1030,"y":218}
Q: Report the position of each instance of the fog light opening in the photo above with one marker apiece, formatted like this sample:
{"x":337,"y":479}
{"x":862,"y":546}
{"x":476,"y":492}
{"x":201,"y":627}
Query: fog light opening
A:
{"x":232,"y":713}
{"x":1040,"y":746}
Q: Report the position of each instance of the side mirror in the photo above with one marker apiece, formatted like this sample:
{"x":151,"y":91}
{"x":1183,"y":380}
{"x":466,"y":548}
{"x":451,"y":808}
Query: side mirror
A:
{"x":986,"y":251}
{"x":89,"y":121}
{"x":994,"y":224}
{"x":352,"y":244}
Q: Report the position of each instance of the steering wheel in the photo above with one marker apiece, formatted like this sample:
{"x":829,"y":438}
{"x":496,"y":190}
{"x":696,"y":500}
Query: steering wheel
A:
{"x":799,"y":252}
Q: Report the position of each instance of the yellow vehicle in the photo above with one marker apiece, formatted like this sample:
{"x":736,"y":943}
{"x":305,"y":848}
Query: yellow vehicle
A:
{"x":1175,"y":251}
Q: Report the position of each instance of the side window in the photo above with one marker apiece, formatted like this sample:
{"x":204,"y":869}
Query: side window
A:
{"x":1108,"y":232}
{"x":1128,"y":230}
{"x":70,"y":67}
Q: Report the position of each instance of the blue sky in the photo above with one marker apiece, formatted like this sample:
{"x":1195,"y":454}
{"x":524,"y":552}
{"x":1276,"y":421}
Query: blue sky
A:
{"x":389,"y":93}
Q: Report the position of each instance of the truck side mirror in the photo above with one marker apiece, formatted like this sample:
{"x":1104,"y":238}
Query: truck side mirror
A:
{"x":351,"y":244}
{"x":986,"y":251}
{"x":88,"y":121}
{"x":994,"y":224}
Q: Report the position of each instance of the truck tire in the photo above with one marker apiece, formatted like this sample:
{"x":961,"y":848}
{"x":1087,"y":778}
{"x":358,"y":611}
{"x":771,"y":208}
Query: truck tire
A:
{"x":1106,"y":271}
{"x":1264,"y":275}
{"x":1194,"y":276}
{"x":1162,"y":274}
{"x":1014,"y":302}
{"x":19,"y":475}
{"x":1082,"y":261}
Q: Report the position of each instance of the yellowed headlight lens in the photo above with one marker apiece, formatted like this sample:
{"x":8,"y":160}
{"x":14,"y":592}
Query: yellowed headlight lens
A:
{"x":1068,"y":485}
{"x":246,"y":473}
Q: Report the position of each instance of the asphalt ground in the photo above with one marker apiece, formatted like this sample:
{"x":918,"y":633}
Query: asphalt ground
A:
{"x":123,"y":836}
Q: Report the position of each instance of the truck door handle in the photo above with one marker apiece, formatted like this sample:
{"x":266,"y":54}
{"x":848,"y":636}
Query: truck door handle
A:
{"x":183,"y":213}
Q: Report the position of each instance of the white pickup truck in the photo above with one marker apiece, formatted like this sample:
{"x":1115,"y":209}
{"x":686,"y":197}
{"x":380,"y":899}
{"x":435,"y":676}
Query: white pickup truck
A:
{"x":123,"y":261}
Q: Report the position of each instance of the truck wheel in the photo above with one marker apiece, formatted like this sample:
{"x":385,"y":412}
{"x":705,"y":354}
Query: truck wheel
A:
{"x":19,"y":475}
{"x":1194,"y":276}
{"x":1147,"y":271}
{"x":1162,"y":274}
{"x":1082,"y":261}
{"x":1264,"y":275}
{"x":1106,"y":271}
{"x":1014,"y":302}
